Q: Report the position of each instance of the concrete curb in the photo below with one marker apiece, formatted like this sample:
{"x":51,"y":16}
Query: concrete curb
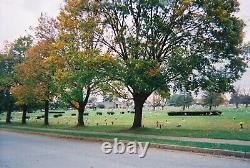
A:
{"x":203,"y":150}
{"x":152,"y":145}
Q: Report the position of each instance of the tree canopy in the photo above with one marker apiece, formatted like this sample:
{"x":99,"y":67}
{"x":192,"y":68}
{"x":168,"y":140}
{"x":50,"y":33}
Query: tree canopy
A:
{"x":213,"y":99}
{"x":81,"y":64}
{"x":15,"y":53}
{"x":173,"y":44}
{"x":132,"y":49}
{"x":181,"y":100}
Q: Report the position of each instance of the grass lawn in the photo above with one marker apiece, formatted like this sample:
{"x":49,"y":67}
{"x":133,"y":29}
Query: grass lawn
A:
{"x":230,"y":147}
{"x":224,"y":127}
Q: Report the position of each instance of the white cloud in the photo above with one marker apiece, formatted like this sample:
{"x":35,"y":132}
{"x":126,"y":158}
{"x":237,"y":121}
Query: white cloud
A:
{"x":16,"y":16}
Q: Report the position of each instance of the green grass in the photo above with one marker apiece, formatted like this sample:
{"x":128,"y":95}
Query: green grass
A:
{"x":224,"y":127}
{"x":240,"y":148}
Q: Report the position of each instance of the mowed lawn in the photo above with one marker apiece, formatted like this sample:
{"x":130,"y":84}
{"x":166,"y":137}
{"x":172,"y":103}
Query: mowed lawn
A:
{"x":226,"y":126}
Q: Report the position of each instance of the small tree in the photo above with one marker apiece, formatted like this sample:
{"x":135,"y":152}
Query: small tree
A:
{"x":164,"y":96}
{"x":236,"y":97}
{"x":245,"y":98}
{"x":212,"y":99}
{"x":183,"y":100}
{"x":15,"y":53}
{"x":156,"y":100}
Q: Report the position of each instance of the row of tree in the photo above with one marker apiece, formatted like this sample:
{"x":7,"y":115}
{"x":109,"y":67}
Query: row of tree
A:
{"x":129,"y":48}
{"x":238,"y":99}
{"x":210,"y":99}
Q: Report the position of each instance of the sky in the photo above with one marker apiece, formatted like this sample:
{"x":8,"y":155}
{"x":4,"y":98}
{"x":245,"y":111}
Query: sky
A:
{"x":245,"y":15}
{"x":16,"y":16}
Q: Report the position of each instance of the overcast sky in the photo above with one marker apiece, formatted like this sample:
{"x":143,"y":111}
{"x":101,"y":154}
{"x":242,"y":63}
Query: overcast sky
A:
{"x":16,"y":16}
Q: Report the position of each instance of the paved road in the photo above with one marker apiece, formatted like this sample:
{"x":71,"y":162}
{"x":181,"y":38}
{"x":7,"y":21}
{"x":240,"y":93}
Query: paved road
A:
{"x":33,"y":151}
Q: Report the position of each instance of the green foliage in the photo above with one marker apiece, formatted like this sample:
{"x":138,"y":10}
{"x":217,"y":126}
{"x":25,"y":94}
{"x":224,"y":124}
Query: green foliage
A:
{"x":213,"y":99}
{"x":150,"y":46}
{"x":180,"y":41}
{"x":142,"y":75}
{"x":14,"y":54}
{"x":235,"y":99}
{"x":81,"y":65}
{"x":245,"y":99}
{"x":182,"y":100}
{"x":7,"y":101}
{"x":176,"y":44}
{"x":6,"y":72}
{"x":20,"y":47}
{"x":240,"y":97}
{"x":20,"y":90}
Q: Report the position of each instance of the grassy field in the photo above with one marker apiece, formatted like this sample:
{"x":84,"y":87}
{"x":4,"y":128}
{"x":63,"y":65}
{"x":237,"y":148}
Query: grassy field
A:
{"x":105,"y":136}
{"x":225,"y":126}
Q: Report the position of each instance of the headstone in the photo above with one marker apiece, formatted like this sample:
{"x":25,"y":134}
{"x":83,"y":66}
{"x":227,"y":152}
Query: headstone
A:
{"x":98,"y":113}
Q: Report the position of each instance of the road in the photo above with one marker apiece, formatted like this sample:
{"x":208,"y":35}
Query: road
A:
{"x":32,"y":151}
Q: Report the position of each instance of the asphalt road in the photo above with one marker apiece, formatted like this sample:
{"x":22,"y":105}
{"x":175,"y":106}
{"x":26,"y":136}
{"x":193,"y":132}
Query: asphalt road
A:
{"x":33,"y":151}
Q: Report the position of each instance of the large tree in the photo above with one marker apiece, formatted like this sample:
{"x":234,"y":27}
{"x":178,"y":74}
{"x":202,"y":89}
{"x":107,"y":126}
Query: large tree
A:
{"x":36,"y":77}
{"x":35,"y":72}
{"x":81,"y":64}
{"x":21,"y":93}
{"x":176,"y":43}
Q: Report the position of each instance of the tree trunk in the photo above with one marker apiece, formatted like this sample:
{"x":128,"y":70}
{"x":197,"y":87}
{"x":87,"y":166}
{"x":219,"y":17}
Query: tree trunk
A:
{"x":9,"y":108}
{"x":237,"y":105}
{"x":210,"y":107}
{"x":46,"y":113}
{"x":8,"y":116}
{"x":139,"y":100}
{"x":183,"y":108}
{"x":81,"y":109}
{"x":25,"y":109}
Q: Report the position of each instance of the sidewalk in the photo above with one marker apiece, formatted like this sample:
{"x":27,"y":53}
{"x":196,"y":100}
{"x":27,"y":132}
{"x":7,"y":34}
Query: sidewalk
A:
{"x":189,"y":139}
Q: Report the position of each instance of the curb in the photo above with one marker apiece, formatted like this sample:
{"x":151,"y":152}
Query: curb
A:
{"x":203,"y":150}
{"x":218,"y":152}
